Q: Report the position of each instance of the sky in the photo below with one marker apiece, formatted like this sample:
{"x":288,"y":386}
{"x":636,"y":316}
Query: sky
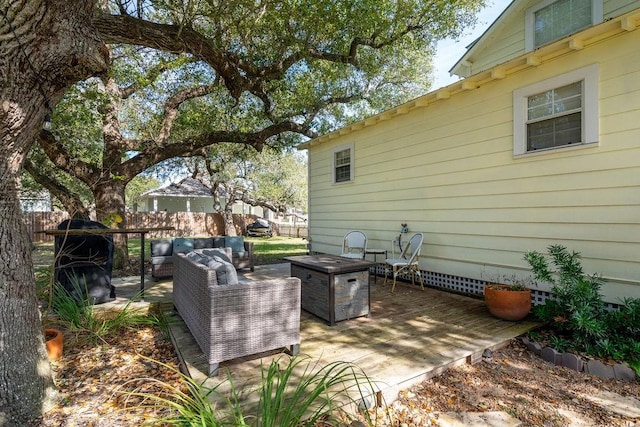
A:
{"x":449,"y":51}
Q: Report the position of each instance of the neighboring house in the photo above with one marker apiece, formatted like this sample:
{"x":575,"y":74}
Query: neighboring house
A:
{"x":538,"y":144}
{"x":189,"y":195}
{"x":36,"y":202}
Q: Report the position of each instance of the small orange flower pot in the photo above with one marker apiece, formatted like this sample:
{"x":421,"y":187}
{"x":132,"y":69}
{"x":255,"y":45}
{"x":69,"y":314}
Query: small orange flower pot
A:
{"x":53,"y":340}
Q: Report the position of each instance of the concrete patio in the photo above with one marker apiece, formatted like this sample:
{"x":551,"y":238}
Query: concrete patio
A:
{"x":410,"y":336}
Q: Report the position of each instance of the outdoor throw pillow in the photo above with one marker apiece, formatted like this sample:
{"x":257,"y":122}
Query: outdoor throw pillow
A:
{"x":219,"y":252}
{"x":236,"y":243}
{"x":225,"y":272}
{"x":197,"y":256}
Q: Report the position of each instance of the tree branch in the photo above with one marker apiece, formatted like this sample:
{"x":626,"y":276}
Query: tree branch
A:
{"x":174,"y":39}
{"x":69,"y":199}
{"x":171,"y":109}
{"x":56,"y":152}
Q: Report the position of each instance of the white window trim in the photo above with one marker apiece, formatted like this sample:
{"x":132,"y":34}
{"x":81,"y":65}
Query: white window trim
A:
{"x":590,"y":117}
{"x":529,"y":20}
{"x":343,"y":147}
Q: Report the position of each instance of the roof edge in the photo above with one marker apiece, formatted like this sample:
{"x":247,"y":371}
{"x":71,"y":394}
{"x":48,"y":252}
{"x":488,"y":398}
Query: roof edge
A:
{"x":622,"y":24}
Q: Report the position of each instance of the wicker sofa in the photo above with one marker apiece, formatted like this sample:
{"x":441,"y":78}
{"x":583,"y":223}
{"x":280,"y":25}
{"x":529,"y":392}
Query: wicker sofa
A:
{"x":236,"y":320}
{"x":163,"y":252}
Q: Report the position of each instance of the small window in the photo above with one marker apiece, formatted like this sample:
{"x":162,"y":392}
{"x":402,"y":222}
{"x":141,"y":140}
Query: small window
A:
{"x":556,"y":113}
{"x":551,"y":20}
{"x":343,"y":164}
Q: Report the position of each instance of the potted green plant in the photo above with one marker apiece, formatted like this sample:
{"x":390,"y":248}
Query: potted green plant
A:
{"x":508,"y":299}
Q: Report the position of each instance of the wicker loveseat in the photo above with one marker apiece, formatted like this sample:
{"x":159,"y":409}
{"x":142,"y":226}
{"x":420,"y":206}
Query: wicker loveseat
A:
{"x":236,"y":320}
{"x":164,"y":250}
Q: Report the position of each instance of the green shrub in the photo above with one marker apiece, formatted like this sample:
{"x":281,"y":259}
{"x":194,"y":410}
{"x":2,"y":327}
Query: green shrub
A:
{"x":577,"y":314}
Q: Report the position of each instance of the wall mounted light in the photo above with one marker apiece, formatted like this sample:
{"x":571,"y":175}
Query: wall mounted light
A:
{"x":46,"y":124}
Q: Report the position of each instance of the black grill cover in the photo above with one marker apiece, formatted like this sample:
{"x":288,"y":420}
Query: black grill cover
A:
{"x":84,"y":263}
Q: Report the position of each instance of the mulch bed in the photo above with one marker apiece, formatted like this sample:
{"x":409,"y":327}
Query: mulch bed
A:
{"x":93,"y":375}
{"x":91,"y":378}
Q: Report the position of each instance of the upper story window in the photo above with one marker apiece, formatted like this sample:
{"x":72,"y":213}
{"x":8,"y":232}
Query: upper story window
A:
{"x":557,"y":113}
{"x":551,"y":20}
{"x":343,"y":164}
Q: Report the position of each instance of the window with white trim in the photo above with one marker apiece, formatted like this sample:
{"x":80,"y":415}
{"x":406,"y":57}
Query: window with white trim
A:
{"x":343,"y":164}
{"x":551,"y":20}
{"x":557,"y":113}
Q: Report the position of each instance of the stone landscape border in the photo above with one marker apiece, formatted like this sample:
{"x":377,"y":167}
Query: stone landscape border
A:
{"x":619,"y":371}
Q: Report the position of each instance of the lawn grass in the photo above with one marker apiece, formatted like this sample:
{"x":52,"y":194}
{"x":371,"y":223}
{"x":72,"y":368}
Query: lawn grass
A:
{"x":267,"y":250}
{"x":271,"y":250}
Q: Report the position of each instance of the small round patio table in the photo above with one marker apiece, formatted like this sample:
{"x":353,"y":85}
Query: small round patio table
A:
{"x":375,"y":253}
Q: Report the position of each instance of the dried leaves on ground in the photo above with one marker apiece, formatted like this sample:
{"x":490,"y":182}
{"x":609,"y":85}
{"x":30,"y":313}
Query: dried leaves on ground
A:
{"x":515,"y":381}
{"x":92,"y":376}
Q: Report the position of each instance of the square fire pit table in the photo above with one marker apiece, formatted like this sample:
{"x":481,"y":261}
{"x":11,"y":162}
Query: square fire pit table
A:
{"x":333,"y":288}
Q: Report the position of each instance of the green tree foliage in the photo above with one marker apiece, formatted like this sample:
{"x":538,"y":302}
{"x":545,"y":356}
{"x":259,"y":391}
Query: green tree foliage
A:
{"x":271,"y":179}
{"x":136,"y":187}
{"x":189,"y":75}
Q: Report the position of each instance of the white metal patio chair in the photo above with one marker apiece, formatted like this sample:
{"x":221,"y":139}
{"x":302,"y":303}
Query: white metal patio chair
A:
{"x":407,"y":263}
{"x":354,"y":245}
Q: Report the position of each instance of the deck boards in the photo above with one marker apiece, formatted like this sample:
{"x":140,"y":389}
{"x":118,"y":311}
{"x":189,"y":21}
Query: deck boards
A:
{"x":410,"y":336}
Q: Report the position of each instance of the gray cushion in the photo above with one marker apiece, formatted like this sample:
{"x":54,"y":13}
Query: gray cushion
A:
{"x":161,"y":248}
{"x":202,"y":242}
{"x":218,"y":242}
{"x":159,"y":260}
{"x":219,"y":252}
{"x":236,"y":243}
{"x":225,"y":271}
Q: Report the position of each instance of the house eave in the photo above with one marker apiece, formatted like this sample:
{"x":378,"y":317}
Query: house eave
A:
{"x":621,"y":24}
{"x":506,"y":14}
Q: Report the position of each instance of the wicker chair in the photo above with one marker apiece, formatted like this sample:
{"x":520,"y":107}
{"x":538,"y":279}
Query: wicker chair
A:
{"x":232,"y":321}
{"x":408,"y":263}
{"x":354,"y":245}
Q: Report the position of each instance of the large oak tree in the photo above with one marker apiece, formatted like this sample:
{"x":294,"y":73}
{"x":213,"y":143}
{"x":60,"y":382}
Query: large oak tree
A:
{"x":45,"y":47}
{"x":292,"y":61}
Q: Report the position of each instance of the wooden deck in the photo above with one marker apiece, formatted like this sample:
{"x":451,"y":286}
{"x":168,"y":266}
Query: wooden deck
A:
{"x":410,"y":336}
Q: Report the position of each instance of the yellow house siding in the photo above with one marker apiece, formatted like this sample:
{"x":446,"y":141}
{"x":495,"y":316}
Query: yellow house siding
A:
{"x":613,"y":8}
{"x":508,"y":43}
{"x":507,"y":40}
{"x":448,"y":170}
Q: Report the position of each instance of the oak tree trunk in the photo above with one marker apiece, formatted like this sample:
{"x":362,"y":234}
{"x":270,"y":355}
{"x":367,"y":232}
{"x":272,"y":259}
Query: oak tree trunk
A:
{"x":227,"y":218}
{"x":110,"y":203}
{"x":45,"y":46}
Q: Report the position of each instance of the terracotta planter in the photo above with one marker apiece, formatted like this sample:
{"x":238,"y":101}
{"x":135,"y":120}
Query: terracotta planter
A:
{"x":53,"y":340}
{"x":507,"y":304}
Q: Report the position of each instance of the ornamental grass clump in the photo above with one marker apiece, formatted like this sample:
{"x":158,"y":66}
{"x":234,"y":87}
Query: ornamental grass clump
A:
{"x":78,"y":314}
{"x":576,"y":313}
{"x":299,"y":393}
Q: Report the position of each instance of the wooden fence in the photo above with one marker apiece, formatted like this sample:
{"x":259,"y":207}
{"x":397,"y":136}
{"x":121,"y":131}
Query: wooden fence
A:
{"x":185,"y":224}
